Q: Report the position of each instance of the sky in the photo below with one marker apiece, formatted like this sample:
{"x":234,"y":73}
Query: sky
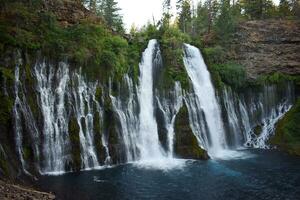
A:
{"x":139,"y":12}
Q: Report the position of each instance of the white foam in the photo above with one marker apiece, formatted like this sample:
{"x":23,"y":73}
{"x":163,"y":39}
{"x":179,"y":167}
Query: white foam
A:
{"x":164,"y":164}
{"x":231,"y":155}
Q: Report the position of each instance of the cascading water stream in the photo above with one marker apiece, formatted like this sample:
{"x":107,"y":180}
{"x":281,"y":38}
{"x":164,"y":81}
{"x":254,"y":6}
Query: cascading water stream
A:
{"x":56,"y":141}
{"x":170,"y":108}
{"x":206,"y":97}
{"x":84,"y":95}
{"x":148,"y":144}
{"x":126,"y":112}
{"x":253,"y":123}
{"x":104,"y":141}
{"x":17,"y":117}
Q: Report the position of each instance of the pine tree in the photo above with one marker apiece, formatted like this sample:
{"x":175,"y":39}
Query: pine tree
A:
{"x":284,"y":8}
{"x":258,"y":9}
{"x":295,"y":4}
{"x":225,"y":22}
{"x":166,"y":12}
{"x":185,"y":15}
{"x":110,"y":11}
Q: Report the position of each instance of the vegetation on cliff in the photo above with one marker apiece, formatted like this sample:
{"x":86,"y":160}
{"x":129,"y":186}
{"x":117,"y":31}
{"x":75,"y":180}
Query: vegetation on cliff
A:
{"x":186,"y":144}
{"x":287,"y":136}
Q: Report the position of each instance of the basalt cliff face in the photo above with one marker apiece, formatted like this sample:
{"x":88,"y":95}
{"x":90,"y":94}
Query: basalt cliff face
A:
{"x":268,"y":46}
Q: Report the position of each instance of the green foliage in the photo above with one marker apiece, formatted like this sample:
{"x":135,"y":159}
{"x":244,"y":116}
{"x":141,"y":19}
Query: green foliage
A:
{"x":276,"y":78}
{"x":226,"y":22}
{"x":214,"y":54}
{"x":232,"y":74}
{"x":172,"y":41}
{"x":258,"y":9}
{"x":86,"y":43}
{"x":287,"y":136}
{"x":110,"y":12}
{"x":184,"y":15}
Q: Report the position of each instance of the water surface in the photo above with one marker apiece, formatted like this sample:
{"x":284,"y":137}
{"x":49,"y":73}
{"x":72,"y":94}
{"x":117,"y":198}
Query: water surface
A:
{"x":260,"y":174}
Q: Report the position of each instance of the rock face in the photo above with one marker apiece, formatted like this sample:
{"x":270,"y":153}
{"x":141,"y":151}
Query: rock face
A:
{"x":186,"y":144}
{"x":268,"y":46}
{"x":9,"y":191}
{"x":70,"y":12}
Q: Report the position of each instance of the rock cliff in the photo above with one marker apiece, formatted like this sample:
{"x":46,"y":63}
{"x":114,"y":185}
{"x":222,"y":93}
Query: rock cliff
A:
{"x":267,"y":46}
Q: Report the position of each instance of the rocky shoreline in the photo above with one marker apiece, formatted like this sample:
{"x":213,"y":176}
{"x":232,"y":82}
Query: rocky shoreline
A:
{"x":10,"y":191}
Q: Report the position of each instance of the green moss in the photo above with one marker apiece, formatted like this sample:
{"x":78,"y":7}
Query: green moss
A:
{"x":75,"y":142}
{"x":287,"y":135}
{"x":257,"y":130}
{"x":3,"y":163}
{"x":98,"y":93}
{"x":27,"y":152}
{"x":8,"y":73}
{"x":6,"y":106}
{"x":186,"y":144}
{"x":98,"y":134}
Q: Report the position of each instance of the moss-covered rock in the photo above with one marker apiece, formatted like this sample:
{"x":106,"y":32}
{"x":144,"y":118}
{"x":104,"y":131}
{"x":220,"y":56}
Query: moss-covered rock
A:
{"x":75,"y":143}
{"x":287,"y":135}
{"x":257,"y":130}
{"x":186,"y":144}
{"x":4,"y":169}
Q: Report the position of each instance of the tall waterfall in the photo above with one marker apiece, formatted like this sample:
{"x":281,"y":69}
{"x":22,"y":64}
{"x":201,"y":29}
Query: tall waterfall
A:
{"x":23,"y":119}
{"x":18,"y":127}
{"x":148,"y":135}
{"x":52,"y":88}
{"x":206,"y":101}
{"x":84,"y":95}
{"x":126,"y":109}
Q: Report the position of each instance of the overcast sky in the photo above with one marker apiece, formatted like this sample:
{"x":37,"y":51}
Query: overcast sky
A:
{"x":139,"y":12}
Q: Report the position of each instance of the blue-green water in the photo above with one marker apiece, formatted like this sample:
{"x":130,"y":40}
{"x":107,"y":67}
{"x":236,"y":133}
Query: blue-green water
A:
{"x":260,"y":175}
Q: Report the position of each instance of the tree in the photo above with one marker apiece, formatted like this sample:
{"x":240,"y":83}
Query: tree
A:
{"x":295,"y":8}
{"x":284,"y":8}
{"x":225,"y":22}
{"x":258,"y":9}
{"x":166,"y":13}
{"x":184,"y":15}
{"x":201,"y":20}
{"x":110,"y":12}
{"x":91,"y":4}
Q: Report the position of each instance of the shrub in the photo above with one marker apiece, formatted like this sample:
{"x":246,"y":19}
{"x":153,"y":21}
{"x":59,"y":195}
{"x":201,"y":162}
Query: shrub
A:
{"x":232,"y":74}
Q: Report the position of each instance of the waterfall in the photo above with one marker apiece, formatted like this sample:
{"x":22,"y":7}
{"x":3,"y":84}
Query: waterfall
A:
{"x":104,"y":141}
{"x":125,"y":107}
{"x":144,"y":116}
{"x":84,"y":95}
{"x":235,"y":130}
{"x":206,"y":101}
{"x":149,"y":144}
{"x":245,"y":112}
{"x":170,"y":107}
{"x":23,"y":119}
{"x":52,"y":88}
{"x":17,"y":117}
{"x":272,"y":104}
